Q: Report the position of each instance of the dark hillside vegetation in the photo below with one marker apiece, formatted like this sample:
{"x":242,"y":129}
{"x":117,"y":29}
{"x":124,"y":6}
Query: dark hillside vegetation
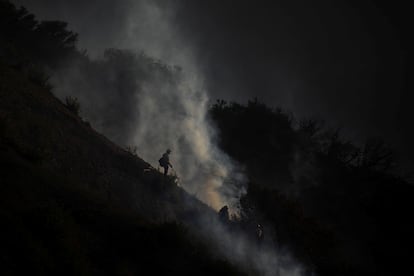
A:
{"x":336,"y":204}
{"x":27,"y":42}
{"x":73,"y":203}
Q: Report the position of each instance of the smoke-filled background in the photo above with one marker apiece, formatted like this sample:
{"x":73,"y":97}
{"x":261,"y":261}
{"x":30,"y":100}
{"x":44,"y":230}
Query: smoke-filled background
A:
{"x":150,"y":96}
{"x":345,"y":63}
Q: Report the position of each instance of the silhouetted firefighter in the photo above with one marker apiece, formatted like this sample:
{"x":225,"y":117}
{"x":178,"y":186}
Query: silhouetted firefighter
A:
{"x":259,"y":234}
{"x":223,"y":214}
{"x":165,"y":161}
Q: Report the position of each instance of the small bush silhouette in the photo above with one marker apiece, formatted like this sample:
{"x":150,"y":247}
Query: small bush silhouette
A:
{"x":132,"y":150}
{"x":72,"y":103}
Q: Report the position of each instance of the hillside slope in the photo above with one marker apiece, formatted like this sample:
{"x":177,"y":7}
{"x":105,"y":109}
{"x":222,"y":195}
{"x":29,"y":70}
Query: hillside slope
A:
{"x":75,"y":203}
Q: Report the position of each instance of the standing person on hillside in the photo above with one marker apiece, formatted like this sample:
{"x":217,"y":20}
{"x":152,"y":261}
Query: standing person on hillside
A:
{"x":259,"y":234}
{"x":223,"y":214}
{"x":165,"y":161}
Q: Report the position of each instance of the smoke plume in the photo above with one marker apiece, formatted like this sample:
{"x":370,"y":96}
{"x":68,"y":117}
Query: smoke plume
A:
{"x":140,"y":101}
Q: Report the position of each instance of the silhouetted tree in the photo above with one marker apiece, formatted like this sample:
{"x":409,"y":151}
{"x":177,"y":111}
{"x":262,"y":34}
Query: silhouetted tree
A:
{"x":376,"y":155}
{"x":24,"y":40}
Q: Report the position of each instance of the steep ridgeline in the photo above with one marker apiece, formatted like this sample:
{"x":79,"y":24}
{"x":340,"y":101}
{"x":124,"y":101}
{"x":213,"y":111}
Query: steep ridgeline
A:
{"x":74,"y":203}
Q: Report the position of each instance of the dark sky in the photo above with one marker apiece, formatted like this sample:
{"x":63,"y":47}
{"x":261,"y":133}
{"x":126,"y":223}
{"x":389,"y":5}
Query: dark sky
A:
{"x":342,"y":61}
{"x":330,"y":60}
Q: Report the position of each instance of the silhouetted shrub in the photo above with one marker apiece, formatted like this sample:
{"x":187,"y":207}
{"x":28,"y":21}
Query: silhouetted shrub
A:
{"x":132,"y":150}
{"x":72,"y":103}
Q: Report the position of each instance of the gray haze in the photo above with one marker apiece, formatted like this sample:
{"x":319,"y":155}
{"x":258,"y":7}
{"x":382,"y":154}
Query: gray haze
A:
{"x":140,"y":101}
{"x":344,"y":63}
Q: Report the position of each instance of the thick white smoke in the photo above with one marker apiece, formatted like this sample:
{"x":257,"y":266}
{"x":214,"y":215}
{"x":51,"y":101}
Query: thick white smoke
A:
{"x":174,"y":115}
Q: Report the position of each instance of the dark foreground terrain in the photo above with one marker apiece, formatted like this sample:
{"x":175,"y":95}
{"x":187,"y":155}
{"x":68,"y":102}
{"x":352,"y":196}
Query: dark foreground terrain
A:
{"x":73,"y":203}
